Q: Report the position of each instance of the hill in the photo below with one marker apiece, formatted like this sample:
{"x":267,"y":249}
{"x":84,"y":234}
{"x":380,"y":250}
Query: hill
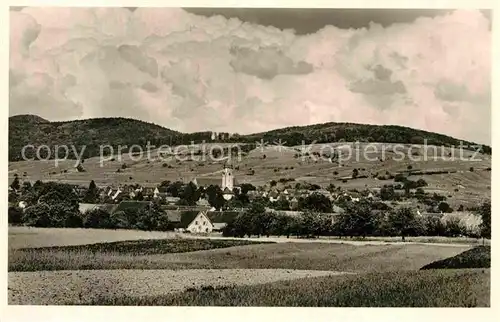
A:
{"x":32,"y":129}
{"x":352,"y":132}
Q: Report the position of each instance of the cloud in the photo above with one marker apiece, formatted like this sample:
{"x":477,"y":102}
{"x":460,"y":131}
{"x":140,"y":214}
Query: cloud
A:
{"x":266,"y":63}
{"x":196,"y":73}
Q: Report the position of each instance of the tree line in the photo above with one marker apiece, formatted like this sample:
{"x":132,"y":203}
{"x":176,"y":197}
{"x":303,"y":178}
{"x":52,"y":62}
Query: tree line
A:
{"x":360,"y":219}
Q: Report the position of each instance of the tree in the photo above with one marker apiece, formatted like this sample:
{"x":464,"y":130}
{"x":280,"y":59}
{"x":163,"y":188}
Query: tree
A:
{"x":399,"y":177}
{"x":97,"y":218}
{"x":215,"y":197}
{"x":421,"y":183}
{"x":246,"y":187}
{"x":119,"y":219}
{"x":190,"y":194}
{"x":281,"y":204}
{"x":403,"y":222}
{"x":15,"y":215}
{"x":331,"y":188}
{"x":37,"y":216}
{"x":315,"y":202}
{"x":26,"y":187}
{"x":15,"y":184}
{"x":387,"y":193}
{"x":434,"y":226}
{"x":175,"y":188}
{"x":357,"y":220}
{"x":139,"y":196}
{"x":485,"y":213}
{"x":92,"y":193}
{"x":444,"y":207}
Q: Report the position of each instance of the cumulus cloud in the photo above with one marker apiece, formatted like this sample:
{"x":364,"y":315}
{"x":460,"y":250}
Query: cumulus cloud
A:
{"x":266,"y":63}
{"x":194,"y":73}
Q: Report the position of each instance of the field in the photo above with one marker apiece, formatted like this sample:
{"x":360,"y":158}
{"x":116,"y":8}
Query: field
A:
{"x":461,"y":186}
{"x":181,"y":271}
{"x":457,"y":288}
{"x":23,"y":237}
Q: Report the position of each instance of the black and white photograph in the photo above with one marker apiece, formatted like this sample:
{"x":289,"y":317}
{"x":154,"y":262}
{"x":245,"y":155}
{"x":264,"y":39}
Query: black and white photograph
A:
{"x":249,"y":157}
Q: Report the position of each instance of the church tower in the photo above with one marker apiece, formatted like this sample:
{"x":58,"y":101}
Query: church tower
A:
{"x":227,"y":178}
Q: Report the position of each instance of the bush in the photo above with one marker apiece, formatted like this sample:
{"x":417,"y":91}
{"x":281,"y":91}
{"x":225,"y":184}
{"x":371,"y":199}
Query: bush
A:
{"x":400,"y":178}
{"x":444,"y":207}
{"x":96,"y":218}
{"x":119,"y":220}
{"x":387,"y":193}
{"x":485,"y":226}
{"x":421,"y":183}
{"x":15,"y":215}
{"x":453,"y":228}
{"x":434,"y":226}
{"x":37,"y":215}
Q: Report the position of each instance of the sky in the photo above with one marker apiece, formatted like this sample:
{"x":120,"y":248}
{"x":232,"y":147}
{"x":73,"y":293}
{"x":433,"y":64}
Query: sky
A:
{"x":252,"y":70}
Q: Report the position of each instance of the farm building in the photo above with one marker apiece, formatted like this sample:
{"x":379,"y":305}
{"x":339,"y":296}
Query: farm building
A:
{"x":200,"y":221}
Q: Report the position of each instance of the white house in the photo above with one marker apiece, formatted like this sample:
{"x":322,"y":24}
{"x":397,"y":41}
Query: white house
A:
{"x":200,"y":224}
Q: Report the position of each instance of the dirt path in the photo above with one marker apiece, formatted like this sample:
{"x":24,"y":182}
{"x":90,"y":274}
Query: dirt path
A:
{"x":80,"y":287}
{"x":333,"y":241}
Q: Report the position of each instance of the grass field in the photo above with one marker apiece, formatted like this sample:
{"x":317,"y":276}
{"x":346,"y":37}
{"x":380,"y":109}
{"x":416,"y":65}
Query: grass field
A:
{"x":22,"y":237}
{"x":306,"y":256}
{"x":149,"y":246}
{"x":179,"y":271}
{"x":432,"y":288}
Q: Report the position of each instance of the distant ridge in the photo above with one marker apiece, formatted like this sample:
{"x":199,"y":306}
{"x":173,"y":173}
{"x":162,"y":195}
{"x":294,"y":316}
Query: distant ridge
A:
{"x":94,"y":132}
{"x":28,"y":118}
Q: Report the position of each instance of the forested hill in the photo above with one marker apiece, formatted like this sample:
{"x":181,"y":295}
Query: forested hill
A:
{"x":29,"y":129}
{"x":352,"y":132}
{"x":34,"y":130}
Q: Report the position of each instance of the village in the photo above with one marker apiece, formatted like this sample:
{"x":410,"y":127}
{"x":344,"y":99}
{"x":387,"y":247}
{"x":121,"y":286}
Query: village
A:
{"x":205,"y":205}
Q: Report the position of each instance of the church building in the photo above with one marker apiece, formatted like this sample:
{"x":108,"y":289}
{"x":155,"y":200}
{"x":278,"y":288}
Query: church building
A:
{"x":227,"y":183}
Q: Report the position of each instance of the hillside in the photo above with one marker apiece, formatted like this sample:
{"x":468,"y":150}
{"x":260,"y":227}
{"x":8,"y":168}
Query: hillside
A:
{"x":32,"y":129}
{"x":448,"y":176}
{"x":351,"y":132}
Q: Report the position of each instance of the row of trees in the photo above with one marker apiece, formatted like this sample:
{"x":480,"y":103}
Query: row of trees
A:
{"x":151,"y":217}
{"x":359,"y":219}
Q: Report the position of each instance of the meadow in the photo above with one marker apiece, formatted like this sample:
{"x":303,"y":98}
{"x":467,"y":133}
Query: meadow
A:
{"x":433,"y":288}
{"x":234,"y":272}
{"x":303,"y":256}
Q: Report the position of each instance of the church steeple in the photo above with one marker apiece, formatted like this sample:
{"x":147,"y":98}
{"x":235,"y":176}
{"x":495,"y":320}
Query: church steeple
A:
{"x":227,"y":177}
